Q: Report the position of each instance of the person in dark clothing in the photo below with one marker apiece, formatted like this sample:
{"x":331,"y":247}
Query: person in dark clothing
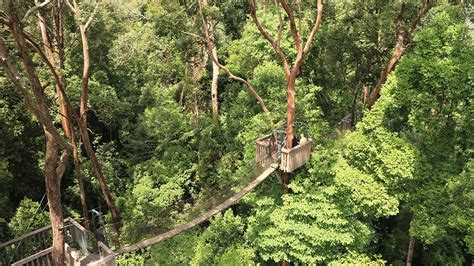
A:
{"x":99,"y":233}
{"x":295,"y":141}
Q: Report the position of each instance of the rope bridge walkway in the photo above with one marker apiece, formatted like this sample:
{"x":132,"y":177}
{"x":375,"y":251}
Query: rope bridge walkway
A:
{"x":270,"y":156}
{"x":203,"y":217}
{"x":215,"y":198}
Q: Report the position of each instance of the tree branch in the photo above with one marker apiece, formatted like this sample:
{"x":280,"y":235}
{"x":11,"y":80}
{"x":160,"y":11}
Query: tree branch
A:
{"x":21,"y":84}
{"x":281,"y":23}
{"x":34,"y":81}
{"x":399,"y":23}
{"x":275,"y":43}
{"x":33,"y":9}
{"x":71,"y":7}
{"x":226,"y":70}
{"x":397,"y":51}
{"x":420,"y":14}
{"x":315,"y":27}
{"x":4,"y":19}
{"x":294,"y":30}
{"x":86,"y":26}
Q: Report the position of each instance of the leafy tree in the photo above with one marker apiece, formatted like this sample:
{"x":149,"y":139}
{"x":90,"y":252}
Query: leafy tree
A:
{"x":222,"y":243}
{"x":28,"y":217}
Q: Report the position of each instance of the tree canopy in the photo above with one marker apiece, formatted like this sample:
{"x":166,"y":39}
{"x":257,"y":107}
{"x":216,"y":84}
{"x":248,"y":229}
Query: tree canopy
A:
{"x":148,"y":112}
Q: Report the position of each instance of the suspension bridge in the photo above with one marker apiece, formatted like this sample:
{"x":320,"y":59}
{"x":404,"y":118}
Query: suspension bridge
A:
{"x":270,"y":156}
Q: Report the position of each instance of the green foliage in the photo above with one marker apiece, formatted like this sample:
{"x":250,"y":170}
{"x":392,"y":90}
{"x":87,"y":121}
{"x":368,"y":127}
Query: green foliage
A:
{"x":28,"y":217}
{"x":354,"y":258}
{"x":221,"y":242}
{"x":414,"y":139}
{"x":406,"y":170}
{"x":178,"y":250}
{"x":327,"y":214}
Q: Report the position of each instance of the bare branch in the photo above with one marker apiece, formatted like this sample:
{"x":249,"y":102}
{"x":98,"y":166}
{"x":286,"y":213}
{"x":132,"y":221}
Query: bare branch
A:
{"x":315,"y":27}
{"x":281,"y":22}
{"x":191,"y":34}
{"x":86,"y":26}
{"x":294,"y":31}
{"x":33,"y":9}
{"x":71,"y":7}
{"x":420,"y":14}
{"x":275,"y":43}
{"x":4,"y":19}
{"x":226,"y":70}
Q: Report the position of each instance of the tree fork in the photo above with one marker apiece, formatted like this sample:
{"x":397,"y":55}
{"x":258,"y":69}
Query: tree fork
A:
{"x":85,"y":138}
{"x":65,"y":116}
{"x":225,"y":69}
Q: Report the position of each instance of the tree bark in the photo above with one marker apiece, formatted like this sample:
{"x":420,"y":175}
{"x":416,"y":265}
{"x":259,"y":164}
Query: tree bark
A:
{"x":54,"y":198}
{"x":215,"y":70}
{"x":411,"y":248}
{"x":63,"y":110}
{"x":85,"y":133}
{"x":225,"y":69}
{"x":290,"y":110}
{"x":290,"y":74}
{"x":397,"y":53}
{"x":82,"y":122}
{"x":403,"y":37}
{"x":214,"y":88}
{"x":40,"y":109}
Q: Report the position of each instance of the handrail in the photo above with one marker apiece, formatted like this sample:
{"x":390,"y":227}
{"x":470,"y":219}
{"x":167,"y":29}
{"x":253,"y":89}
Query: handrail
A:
{"x":107,"y":256}
{"x":35,"y":256}
{"x":32,"y":233}
{"x":202,"y":218}
{"x":297,"y":147}
{"x":39,"y":240}
{"x":20,"y":238}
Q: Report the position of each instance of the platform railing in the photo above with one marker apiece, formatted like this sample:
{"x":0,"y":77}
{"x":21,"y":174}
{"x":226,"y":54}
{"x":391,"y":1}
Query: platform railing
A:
{"x":268,"y":151}
{"x":107,"y":256}
{"x":292,"y":159}
{"x":44,"y":257}
{"x":25,"y":245}
{"x":34,"y":245}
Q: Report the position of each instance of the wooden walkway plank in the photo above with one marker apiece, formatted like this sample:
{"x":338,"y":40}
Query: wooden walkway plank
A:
{"x":202,"y":218}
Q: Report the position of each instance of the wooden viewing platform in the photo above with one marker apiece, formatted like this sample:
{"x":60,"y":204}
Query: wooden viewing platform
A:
{"x":37,"y":251}
{"x":34,"y":248}
{"x":268,"y":150}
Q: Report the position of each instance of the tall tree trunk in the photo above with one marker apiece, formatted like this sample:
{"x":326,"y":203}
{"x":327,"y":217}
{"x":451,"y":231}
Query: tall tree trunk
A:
{"x":85,"y":134}
{"x":290,"y":110}
{"x":403,"y":37}
{"x":100,"y":176}
{"x":54,"y":198}
{"x":65,"y":116}
{"x":411,"y":248}
{"x":214,"y":89}
{"x":215,"y":68}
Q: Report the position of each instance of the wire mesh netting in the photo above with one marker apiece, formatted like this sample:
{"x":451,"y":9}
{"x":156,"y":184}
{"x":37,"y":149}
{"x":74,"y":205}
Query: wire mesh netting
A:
{"x":211,"y":196}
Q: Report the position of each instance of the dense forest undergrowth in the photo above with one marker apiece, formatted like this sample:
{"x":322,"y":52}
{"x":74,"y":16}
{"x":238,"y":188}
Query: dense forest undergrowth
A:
{"x":144,"y":88}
